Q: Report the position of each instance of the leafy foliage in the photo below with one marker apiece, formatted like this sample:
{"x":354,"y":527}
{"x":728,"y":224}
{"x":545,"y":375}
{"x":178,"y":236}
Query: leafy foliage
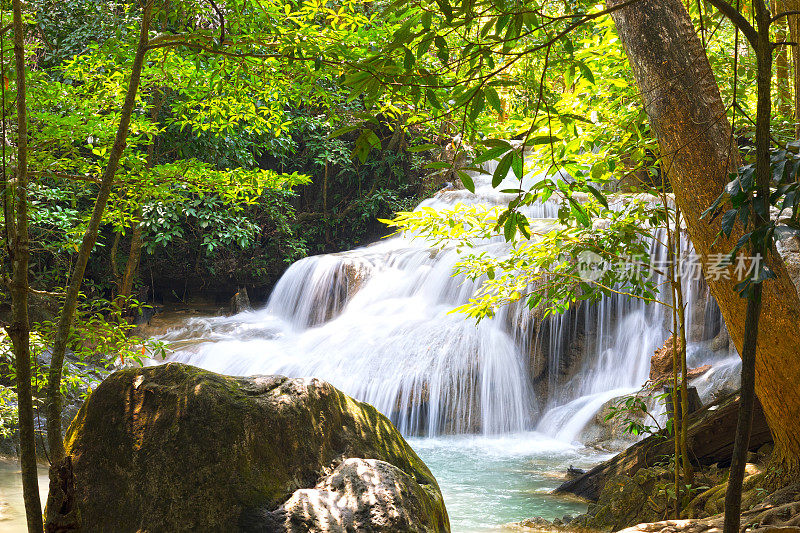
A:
{"x":550,"y":265}
{"x":740,"y":197}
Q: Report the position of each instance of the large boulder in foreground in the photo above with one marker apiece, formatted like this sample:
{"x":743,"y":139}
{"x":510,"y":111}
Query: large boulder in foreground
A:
{"x":176,"y":448}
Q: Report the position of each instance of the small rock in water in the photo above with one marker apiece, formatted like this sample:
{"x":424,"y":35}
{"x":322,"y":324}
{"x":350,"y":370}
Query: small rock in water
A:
{"x":573,"y":472}
{"x":240,"y":302}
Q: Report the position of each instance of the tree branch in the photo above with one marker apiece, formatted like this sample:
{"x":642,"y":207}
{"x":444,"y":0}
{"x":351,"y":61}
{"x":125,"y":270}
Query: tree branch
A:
{"x":738,"y":20}
{"x":221,"y":20}
{"x":75,"y":177}
{"x":784,"y":14}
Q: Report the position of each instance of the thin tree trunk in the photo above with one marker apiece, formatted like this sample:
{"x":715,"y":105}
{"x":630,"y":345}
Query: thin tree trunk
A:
{"x":782,"y":81}
{"x":688,"y":474}
{"x":744,"y":422}
{"x":733,"y":494}
{"x":113,"y":253}
{"x":137,"y":239}
{"x":133,"y":259}
{"x":793,"y":21}
{"x":54,"y":398}
{"x":698,"y":151}
{"x":674,"y":396}
{"x":19,"y":331}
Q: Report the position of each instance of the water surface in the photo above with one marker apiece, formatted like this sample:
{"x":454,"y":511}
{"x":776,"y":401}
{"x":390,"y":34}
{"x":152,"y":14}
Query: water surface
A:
{"x":491,"y":481}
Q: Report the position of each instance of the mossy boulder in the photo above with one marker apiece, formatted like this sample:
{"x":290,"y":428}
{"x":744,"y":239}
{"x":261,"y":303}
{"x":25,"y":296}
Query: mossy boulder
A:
{"x":629,"y":500}
{"x":176,"y":448}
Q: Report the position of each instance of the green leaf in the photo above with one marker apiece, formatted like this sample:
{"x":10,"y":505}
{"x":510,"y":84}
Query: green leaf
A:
{"x":446,"y":9}
{"x":727,"y":221}
{"x":365,"y":143}
{"x":502,"y":169}
{"x":423,"y":47}
{"x":478,"y":103}
{"x":501,"y":23}
{"x":466,"y":179}
{"x":490,"y":154}
{"x":510,"y":227}
{"x":441,"y":46}
{"x":498,"y":142}
{"x":585,"y":71}
{"x":373,"y":139}
{"x":342,"y":131}
{"x":518,"y":164}
{"x":427,"y":18}
{"x":579,"y":212}
{"x":438,"y":165}
{"x":432,"y":99}
{"x":402,"y":35}
{"x":422,"y":148}
{"x":523,"y":225}
{"x":542,"y":139}
{"x":493,"y":99}
{"x":408,"y":60}
{"x":597,"y":194}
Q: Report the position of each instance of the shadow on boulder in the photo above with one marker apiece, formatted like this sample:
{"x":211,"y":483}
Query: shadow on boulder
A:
{"x":176,"y":448}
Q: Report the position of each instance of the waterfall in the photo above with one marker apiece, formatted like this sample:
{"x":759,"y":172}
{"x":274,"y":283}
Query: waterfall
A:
{"x":376,"y":322}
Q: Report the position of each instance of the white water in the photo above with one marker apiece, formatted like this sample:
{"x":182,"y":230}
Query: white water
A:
{"x":376,"y":323}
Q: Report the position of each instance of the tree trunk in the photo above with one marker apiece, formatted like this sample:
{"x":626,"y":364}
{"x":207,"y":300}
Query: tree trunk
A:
{"x":793,"y":21}
{"x":19,"y":331}
{"x":54,"y":399}
{"x":137,"y":237}
{"x":134,"y":256}
{"x":688,"y":118}
{"x":688,"y":473}
{"x":733,"y":494}
{"x":785,"y":94}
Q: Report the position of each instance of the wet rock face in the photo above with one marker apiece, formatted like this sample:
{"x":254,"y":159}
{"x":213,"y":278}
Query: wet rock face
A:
{"x":176,"y":448}
{"x":240,"y":302}
{"x":661,"y":363}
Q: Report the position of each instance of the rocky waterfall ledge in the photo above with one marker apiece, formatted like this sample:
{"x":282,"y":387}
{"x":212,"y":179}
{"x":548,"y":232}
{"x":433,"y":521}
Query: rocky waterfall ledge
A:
{"x":176,"y":448}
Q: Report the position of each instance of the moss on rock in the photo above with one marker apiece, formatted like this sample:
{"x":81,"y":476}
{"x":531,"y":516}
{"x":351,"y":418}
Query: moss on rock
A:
{"x":177,"y":448}
{"x":628,"y":500}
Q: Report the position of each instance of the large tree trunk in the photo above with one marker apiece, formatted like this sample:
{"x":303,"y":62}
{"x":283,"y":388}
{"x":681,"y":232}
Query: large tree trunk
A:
{"x":687,"y":116}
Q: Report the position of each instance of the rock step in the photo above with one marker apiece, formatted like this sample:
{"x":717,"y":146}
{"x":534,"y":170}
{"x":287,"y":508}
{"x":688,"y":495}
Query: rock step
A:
{"x":710,"y":435}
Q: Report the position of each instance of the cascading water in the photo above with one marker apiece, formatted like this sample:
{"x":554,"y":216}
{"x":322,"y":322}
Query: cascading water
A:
{"x":376,"y":323}
{"x":393,"y":344}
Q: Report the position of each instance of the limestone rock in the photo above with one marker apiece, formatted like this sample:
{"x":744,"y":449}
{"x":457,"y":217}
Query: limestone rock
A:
{"x":661,"y":364}
{"x":789,"y":250}
{"x":626,"y":500}
{"x":710,"y":437}
{"x":176,"y":448}
{"x":359,"y":495}
{"x":240,"y":302}
{"x":776,"y":519}
{"x":722,"y":340}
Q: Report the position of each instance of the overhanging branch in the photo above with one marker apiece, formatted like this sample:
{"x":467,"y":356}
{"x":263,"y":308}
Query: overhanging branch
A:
{"x":738,"y":20}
